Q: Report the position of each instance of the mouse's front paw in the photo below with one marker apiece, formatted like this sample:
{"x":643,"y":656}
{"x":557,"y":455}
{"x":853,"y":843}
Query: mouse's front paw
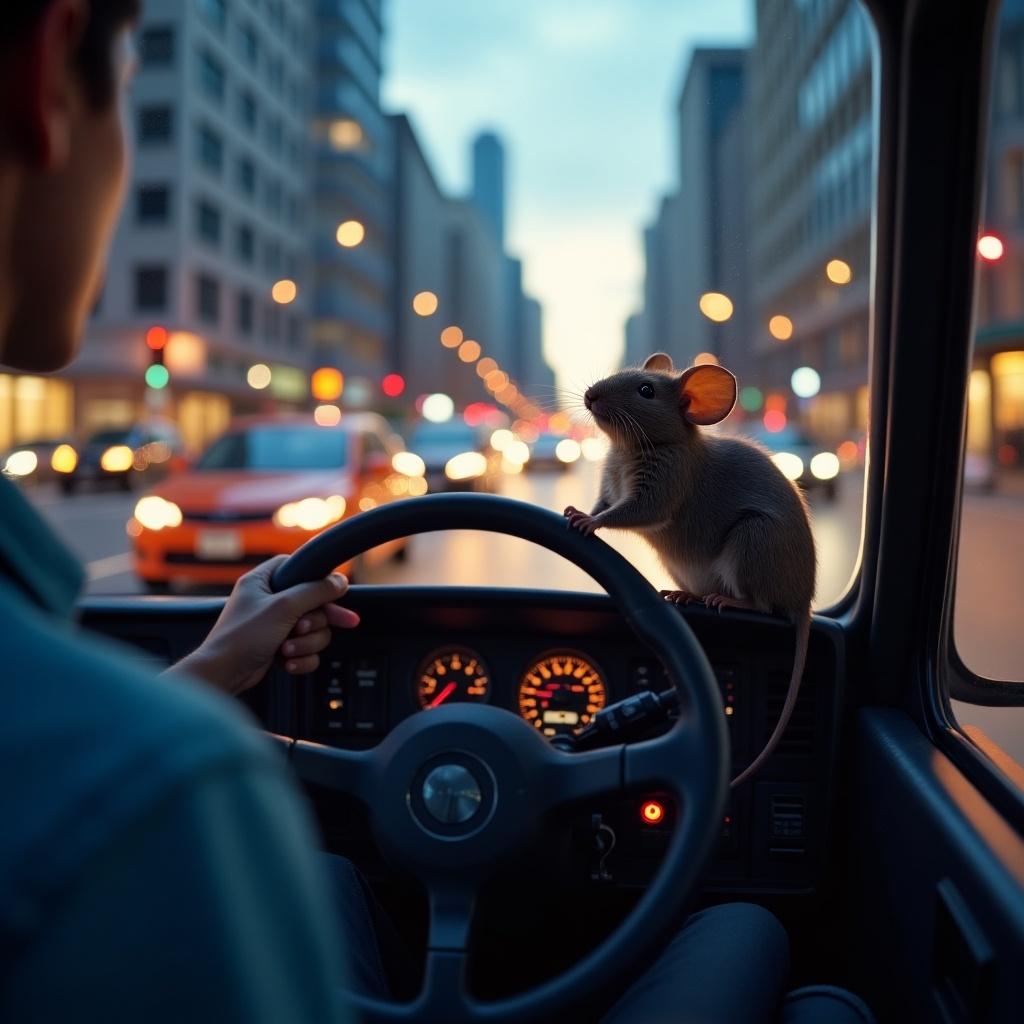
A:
{"x":582,"y":521}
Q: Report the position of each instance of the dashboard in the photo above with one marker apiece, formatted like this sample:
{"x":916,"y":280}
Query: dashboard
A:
{"x":555,"y":658}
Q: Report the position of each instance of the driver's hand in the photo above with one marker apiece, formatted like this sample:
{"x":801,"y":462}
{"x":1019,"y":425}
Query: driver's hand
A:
{"x":256,"y":625}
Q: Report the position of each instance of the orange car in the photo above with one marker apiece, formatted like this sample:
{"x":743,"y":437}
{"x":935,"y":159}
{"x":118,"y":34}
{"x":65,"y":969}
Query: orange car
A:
{"x":264,"y":488}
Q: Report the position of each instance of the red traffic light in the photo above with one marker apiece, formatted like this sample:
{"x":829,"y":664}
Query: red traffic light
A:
{"x":156,"y":338}
{"x":393,"y":385}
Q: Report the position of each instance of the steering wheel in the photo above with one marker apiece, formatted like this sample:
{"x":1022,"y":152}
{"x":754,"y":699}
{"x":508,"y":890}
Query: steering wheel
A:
{"x":457,"y":792}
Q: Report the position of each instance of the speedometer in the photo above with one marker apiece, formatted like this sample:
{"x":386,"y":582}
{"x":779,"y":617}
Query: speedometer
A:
{"x":451,"y":675}
{"x":561,"y":692}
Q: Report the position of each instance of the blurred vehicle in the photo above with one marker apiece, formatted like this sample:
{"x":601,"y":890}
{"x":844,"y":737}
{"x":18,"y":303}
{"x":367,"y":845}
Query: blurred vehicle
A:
{"x":37,"y":461}
{"x":457,"y":457}
{"x":264,"y":488}
{"x":120,"y":456}
{"x":812,"y":465}
{"x":554,"y":451}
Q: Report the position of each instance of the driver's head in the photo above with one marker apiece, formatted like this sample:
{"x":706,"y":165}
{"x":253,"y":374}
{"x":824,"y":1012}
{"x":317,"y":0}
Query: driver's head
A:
{"x":63,"y":64}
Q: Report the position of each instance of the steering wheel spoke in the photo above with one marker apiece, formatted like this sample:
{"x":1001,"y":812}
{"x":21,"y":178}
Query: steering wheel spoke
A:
{"x":344,"y":771}
{"x":670,"y":761}
{"x":567,"y":778}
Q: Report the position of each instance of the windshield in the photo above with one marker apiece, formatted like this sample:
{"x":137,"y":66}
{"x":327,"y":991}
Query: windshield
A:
{"x":277,"y":449}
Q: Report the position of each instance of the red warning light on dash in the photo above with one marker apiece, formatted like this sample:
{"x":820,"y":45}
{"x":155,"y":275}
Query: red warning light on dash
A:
{"x":652,"y":812}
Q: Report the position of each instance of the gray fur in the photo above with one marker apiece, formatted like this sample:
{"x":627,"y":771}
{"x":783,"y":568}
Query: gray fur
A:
{"x":721,"y":516}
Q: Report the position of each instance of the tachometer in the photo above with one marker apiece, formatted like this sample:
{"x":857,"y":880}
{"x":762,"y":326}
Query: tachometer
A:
{"x":450,"y":675}
{"x":561,"y":692}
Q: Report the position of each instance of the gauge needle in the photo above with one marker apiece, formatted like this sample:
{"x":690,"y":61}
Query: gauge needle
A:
{"x":442,"y":696}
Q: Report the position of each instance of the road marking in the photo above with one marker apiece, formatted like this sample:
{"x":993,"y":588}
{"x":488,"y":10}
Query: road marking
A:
{"x":114,"y":565}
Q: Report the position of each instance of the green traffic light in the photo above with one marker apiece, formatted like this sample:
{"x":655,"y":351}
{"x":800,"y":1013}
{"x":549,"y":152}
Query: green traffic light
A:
{"x":157,"y":377}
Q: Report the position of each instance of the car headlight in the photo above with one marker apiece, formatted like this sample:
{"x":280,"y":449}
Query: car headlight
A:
{"x":118,"y":458}
{"x":154,"y":512}
{"x":825,"y":465}
{"x":64,"y":459}
{"x":311,"y":514}
{"x":567,"y":450}
{"x":517,"y":451}
{"x":466,"y":466}
{"x":792,"y":466}
{"x":21,"y":463}
{"x":408,"y":463}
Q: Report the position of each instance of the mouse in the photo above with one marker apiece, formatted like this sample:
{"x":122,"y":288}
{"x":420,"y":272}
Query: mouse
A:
{"x":728,"y":526}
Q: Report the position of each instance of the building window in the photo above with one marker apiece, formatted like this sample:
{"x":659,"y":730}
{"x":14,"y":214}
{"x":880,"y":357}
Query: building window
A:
{"x":208,"y":222}
{"x":152,"y":204}
{"x":272,"y":257}
{"x":275,"y":135}
{"x":250,"y":43}
{"x":210,"y":147}
{"x":272,"y":322}
{"x":247,"y":110}
{"x":155,"y":124}
{"x":211,"y":77}
{"x":247,"y":176}
{"x":150,"y":288}
{"x":207,"y":298}
{"x":216,"y":12}
{"x":245,"y":313}
{"x":156,"y":47}
{"x":245,"y":243}
{"x":274,"y":197}
{"x":294,"y":332}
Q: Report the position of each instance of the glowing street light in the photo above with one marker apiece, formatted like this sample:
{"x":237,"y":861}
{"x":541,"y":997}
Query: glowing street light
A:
{"x":838,"y":272}
{"x":345,"y":134}
{"x":806,"y":382}
{"x":451,"y":337}
{"x":326,"y":384}
{"x":438,"y":408}
{"x":284,"y":291}
{"x":424,"y":303}
{"x":350,"y":233}
{"x":469,"y":351}
{"x":259,"y":376}
{"x":716,"y":306}
{"x":780,"y":327}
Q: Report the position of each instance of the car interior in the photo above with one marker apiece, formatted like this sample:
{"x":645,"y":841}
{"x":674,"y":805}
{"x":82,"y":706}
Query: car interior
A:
{"x":888,"y":841}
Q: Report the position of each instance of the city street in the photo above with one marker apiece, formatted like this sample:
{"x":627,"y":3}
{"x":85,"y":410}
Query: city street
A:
{"x":990,"y":589}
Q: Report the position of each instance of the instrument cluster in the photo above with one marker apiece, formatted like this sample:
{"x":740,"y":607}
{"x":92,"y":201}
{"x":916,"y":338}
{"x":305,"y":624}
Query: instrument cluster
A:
{"x":557,"y":691}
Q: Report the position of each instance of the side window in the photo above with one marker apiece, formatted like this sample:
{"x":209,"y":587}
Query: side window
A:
{"x":989,"y":606}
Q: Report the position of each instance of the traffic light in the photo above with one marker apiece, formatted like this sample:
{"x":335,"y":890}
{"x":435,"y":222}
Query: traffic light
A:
{"x":157,"y":376}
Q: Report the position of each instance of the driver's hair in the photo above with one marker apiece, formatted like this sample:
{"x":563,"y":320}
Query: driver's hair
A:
{"x":18,"y":18}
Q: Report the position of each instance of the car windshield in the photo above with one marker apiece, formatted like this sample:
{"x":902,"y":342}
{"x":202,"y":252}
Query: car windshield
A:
{"x":277,"y":448}
{"x":110,"y":437}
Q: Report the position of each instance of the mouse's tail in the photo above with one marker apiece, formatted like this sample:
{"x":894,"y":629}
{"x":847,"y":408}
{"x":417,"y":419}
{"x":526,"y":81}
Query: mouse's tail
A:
{"x":803,"y":635}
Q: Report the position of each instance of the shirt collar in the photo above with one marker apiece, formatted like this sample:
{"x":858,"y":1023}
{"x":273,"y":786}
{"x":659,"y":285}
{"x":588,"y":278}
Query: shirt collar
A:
{"x":34,"y":557}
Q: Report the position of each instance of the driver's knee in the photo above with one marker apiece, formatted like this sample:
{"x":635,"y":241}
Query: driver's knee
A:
{"x":728,"y":963}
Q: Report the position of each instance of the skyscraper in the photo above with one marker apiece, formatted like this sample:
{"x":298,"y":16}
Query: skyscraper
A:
{"x":488,"y":194}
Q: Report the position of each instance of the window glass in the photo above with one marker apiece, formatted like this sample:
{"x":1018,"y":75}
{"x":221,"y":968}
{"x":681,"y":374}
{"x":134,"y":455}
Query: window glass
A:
{"x":156,"y":46}
{"x":152,"y":204}
{"x":211,"y":76}
{"x":277,"y":448}
{"x":208,"y":298}
{"x":155,"y":124}
{"x":208,"y":221}
{"x":989,"y":606}
{"x":151,"y":288}
{"x":210,"y":148}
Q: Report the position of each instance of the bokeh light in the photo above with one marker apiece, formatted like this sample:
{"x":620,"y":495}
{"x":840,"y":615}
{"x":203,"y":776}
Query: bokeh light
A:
{"x":284,"y":291}
{"x":469,"y":351}
{"x":705,"y":359}
{"x":991,"y":248}
{"x":751,"y":399}
{"x":780,"y":327}
{"x":350,"y":233}
{"x":326,"y":384}
{"x":805,"y":382}
{"x":327,"y":415}
{"x":451,"y":337}
{"x":838,"y":272}
{"x":393,"y":385}
{"x":774,"y":421}
{"x":424,"y":303}
{"x":438,"y":408}
{"x":259,"y":376}
{"x":716,"y":306}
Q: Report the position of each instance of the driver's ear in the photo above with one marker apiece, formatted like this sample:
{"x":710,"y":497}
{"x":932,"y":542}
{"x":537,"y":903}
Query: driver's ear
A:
{"x":43,"y":86}
{"x":707,"y":394}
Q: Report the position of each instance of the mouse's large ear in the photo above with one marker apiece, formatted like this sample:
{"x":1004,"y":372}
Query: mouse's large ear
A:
{"x":659,"y":361}
{"x":707,"y":394}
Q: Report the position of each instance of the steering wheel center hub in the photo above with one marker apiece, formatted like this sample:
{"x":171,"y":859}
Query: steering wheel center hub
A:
{"x":451,"y":794}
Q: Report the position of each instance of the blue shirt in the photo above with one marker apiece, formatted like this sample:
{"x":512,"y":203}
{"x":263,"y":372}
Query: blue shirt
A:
{"x":155,"y":862}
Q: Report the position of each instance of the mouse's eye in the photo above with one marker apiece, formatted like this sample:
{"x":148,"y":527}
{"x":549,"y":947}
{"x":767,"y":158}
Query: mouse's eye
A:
{"x":646,"y":390}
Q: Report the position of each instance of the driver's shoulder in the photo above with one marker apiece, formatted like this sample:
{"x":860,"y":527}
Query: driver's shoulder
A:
{"x":91,"y":738}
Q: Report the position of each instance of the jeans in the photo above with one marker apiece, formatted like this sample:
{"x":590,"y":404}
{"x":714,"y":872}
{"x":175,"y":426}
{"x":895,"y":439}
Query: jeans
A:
{"x":728,"y":964}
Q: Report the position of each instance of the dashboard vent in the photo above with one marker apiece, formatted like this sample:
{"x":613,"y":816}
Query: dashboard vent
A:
{"x":798,"y":739}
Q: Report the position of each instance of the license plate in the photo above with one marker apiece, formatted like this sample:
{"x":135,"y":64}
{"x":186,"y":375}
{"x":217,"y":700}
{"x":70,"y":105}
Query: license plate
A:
{"x":219,"y":545}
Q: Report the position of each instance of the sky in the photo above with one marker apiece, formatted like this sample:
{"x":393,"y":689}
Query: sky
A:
{"x":582,"y":93}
